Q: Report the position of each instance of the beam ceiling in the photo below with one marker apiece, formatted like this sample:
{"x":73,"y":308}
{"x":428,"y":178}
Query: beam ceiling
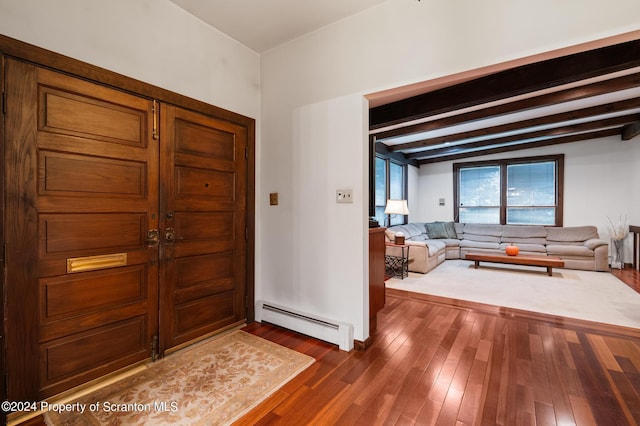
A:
{"x":578,"y":97}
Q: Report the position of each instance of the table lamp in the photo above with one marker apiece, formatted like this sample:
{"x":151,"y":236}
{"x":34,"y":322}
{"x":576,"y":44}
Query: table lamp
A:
{"x":396,"y":207}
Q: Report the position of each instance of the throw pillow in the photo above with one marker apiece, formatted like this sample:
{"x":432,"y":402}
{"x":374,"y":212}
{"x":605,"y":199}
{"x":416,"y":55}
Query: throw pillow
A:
{"x":436,"y":230}
{"x":450,"y":229}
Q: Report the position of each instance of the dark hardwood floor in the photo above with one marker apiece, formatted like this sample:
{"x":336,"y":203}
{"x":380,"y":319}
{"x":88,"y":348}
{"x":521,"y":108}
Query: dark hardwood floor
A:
{"x":629,"y":276}
{"x":436,"y":361}
{"x":433,"y":362}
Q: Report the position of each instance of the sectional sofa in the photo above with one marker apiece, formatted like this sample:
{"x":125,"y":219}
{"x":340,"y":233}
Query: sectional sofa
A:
{"x":432,"y":243}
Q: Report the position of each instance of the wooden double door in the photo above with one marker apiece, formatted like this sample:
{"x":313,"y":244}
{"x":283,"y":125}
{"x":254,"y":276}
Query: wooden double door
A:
{"x":125,"y":222}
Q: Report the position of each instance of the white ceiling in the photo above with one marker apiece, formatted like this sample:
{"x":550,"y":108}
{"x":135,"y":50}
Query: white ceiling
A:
{"x":264,"y":24}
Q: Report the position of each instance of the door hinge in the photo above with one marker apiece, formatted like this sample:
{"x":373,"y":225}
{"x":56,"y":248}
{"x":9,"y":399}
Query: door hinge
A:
{"x":246,"y":153}
{"x":155,"y":119}
{"x":154,"y":348}
{"x":4,"y":103}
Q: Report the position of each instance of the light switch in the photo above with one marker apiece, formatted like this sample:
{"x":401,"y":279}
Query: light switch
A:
{"x":344,"y":196}
{"x":273,"y":199}
{"x":441,"y":202}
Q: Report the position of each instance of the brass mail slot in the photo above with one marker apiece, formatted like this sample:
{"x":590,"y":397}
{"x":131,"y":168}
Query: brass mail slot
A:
{"x":92,"y":263}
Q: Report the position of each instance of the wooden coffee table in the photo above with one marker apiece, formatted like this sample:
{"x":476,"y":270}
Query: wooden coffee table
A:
{"x":522,"y":259}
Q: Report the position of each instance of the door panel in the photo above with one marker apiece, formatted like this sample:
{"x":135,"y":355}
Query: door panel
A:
{"x":75,"y":233}
{"x":71,"y":295}
{"x":64,"y":112}
{"x":93,"y":352}
{"x":203,"y":200}
{"x":86,"y":175}
{"x":204,"y":184}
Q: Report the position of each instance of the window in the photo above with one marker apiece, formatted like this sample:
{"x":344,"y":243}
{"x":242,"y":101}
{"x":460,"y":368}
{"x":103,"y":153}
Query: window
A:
{"x":479,"y":194}
{"x":524,"y":191}
{"x":391,"y":183}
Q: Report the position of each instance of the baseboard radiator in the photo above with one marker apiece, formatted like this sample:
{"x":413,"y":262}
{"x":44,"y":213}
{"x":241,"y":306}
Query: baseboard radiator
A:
{"x":334,"y":332}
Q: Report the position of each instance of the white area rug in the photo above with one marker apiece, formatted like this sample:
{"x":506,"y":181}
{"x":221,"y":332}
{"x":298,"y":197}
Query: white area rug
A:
{"x":585,"y":295}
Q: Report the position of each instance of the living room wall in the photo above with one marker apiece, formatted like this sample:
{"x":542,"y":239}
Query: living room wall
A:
{"x":600,"y":180}
{"x":311,"y":254}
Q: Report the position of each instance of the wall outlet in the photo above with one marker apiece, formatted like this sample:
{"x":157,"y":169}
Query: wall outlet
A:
{"x":344,"y":196}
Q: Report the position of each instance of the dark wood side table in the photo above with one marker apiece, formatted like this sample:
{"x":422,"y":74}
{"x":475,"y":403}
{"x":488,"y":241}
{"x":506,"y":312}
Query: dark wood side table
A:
{"x":397,"y":265}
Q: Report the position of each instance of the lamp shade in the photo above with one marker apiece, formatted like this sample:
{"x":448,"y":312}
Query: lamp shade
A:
{"x":396,"y":207}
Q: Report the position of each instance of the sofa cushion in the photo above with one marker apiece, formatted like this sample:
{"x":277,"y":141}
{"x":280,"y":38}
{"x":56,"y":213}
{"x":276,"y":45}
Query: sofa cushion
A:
{"x":421,"y":237}
{"x":524,"y":234}
{"x":435,"y":247}
{"x":575,"y":235}
{"x":413,"y":230}
{"x":523,"y":231}
{"x":526,"y":247}
{"x":470,"y":244}
{"x":569,"y":250}
{"x":518,"y":241}
{"x":451,"y":242}
{"x":483,"y":229}
{"x":482,"y":233}
{"x":484,"y":238}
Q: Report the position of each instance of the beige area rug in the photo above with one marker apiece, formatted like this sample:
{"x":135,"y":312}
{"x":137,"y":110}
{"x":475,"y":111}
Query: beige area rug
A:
{"x":212,"y":383}
{"x":584,"y":295}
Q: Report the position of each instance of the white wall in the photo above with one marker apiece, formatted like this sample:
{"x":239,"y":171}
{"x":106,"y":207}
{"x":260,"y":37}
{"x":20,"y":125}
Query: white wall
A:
{"x":312,"y":87}
{"x":151,"y":40}
{"x":600,"y":183}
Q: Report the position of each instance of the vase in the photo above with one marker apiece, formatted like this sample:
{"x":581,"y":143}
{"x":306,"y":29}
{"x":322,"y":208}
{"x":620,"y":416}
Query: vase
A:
{"x":618,"y":254}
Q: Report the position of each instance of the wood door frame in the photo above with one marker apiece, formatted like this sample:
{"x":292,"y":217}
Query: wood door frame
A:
{"x":25,"y":52}
{"x":3,"y":340}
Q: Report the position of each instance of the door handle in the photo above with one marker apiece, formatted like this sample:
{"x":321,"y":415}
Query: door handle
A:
{"x":170,"y":236}
{"x":153,"y":238}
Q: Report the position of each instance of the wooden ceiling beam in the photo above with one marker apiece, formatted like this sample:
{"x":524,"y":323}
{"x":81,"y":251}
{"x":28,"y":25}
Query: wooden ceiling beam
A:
{"x":630,"y":131}
{"x":526,"y":145}
{"x":582,"y":92}
{"x":508,"y":83}
{"x":397,"y":156}
{"x":613,"y":107}
{"x":590,"y":126}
